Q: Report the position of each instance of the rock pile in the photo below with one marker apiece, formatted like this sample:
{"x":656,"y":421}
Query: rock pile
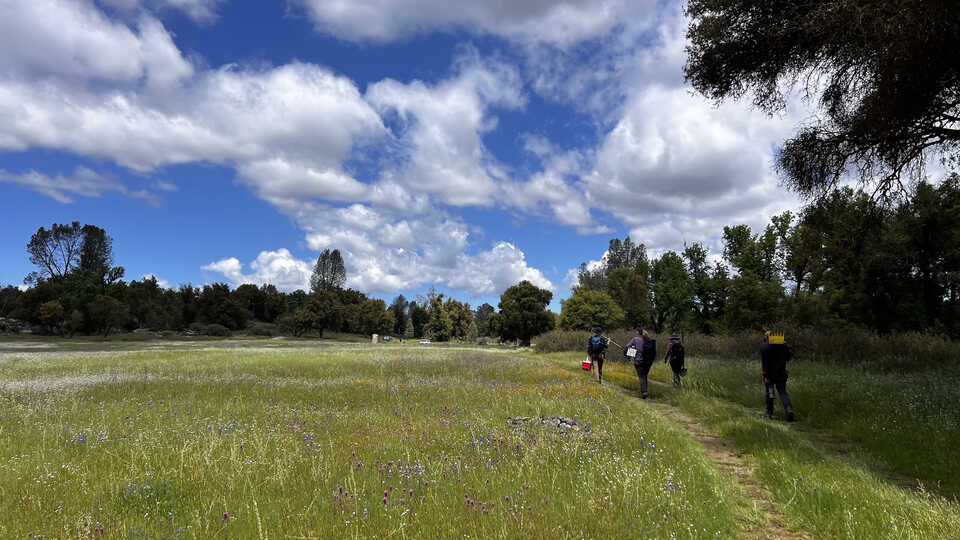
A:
{"x":559,"y":423}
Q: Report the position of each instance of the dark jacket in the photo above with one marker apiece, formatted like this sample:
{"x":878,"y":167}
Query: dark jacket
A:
{"x":773,"y":361}
{"x":602,"y":351}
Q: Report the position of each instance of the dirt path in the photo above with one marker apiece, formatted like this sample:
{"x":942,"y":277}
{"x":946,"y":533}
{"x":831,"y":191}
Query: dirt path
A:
{"x":723,"y":453}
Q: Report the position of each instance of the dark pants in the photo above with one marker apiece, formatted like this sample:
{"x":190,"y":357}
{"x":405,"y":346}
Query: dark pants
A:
{"x":643,"y":369}
{"x":676,"y":367}
{"x":781,"y":388}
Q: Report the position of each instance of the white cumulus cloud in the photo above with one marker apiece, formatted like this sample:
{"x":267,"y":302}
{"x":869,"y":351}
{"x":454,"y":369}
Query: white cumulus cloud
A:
{"x":279,"y":268}
{"x":559,"y":22}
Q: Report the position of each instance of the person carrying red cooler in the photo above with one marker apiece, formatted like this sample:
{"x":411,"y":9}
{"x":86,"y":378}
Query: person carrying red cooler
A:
{"x":597,"y":350}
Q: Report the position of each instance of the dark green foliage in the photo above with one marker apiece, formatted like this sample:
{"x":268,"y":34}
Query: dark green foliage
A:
{"x":217,"y":330}
{"x":329,"y":273}
{"x":482,"y":312}
{"x":461,"y":317}
{"x":631,"y":292}
{"x":399,"y":308}
{"x":375,"y":318}
{"x":106,"y":313}
{"x":884,"y":74}
{"x":588,"y":308}
{"x":619,"y":255}
{"x":439,"y":326}
{"x":523,"y":312}
{"x":217,"y":306}
{"x":672,"y":292}
{"x":262,"y":329}
{"x":51,"y":315}
{"x":56,"y":252}
{"x":9,"y":300}
{"x":420,"y":318}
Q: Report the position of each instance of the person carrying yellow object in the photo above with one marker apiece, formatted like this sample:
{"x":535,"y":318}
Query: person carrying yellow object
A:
{"x":774,"y":356}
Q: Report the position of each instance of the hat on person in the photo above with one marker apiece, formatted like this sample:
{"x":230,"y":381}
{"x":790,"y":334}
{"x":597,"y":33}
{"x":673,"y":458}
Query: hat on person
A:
{"x":674,"y":336}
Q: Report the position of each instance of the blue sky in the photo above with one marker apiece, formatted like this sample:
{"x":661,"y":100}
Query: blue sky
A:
{"x":463,"y":146}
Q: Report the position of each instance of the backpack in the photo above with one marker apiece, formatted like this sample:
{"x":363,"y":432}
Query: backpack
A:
{"x":649,"y":350}
{"x":597,"y":345}
{"x":677,"y":353}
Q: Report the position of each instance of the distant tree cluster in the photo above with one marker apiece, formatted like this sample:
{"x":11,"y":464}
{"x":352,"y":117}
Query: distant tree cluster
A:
{"x":845,"y":260}
{"x":76,"y":288}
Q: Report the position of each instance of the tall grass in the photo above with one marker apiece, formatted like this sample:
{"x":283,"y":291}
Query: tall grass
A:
{"x":340,"y":443}
{"x":835,"y":496}
{"x":895,"y":352}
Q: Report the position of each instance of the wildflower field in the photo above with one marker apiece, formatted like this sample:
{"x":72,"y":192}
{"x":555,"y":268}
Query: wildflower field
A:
{"x":341,"y":442}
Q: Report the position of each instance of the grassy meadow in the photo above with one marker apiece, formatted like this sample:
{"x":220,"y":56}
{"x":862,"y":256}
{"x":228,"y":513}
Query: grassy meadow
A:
{"x":872,"y":456}
{"x":341,"y":442}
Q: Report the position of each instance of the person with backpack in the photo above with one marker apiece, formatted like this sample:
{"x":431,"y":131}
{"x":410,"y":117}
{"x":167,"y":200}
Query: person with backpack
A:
{"x":774,"y":356}
{"x":676,"y":356}
{"x":641,"y":362}
{"x":597,"y":350}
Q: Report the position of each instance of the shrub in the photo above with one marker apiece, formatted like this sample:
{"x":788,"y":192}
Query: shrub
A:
{"x":262,"y":329}
{"x":215,"y":329}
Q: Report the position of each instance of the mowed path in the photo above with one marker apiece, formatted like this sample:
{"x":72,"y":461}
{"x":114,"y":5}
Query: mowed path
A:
{"x":723,"y":453}
{"x":741,"y":442}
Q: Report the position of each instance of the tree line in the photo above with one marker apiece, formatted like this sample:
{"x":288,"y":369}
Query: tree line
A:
{"x":845,"y":260}
{"x":77,"y":289}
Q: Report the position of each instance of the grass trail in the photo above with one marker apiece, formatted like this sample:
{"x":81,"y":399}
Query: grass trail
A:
{"x":820,"y":483}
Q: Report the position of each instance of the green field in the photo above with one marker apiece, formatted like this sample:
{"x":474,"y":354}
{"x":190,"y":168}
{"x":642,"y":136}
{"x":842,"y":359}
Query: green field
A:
{"x":295,"y":439}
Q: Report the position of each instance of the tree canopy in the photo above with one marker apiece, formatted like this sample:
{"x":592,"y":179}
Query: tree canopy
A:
{"x":523,"y":312}
{"x":588,"y":308}
{"x":883,"y":74}
{"x":329,"y":272}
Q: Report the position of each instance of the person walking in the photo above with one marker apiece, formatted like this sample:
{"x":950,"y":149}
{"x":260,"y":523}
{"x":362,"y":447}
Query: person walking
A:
{"x":634,"y":351}
{"x":676,"y":357}
{"x":597,"y":350}
{"x":774,"y":356}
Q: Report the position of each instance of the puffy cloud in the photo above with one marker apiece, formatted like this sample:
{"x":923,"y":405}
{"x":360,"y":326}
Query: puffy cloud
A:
{"x":442,"y":126}
{"x":676,"y":168}
{"x":279,"y":268}
{"x":387,"y":251}
{"x":83,"y":183}
{"x":668,"y":166}
{"x":560,"y":22}
{"x":262,"y":122}
{"x":392,"y":270}
{"x":75,"y":40}
{"x":492,"y":272}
